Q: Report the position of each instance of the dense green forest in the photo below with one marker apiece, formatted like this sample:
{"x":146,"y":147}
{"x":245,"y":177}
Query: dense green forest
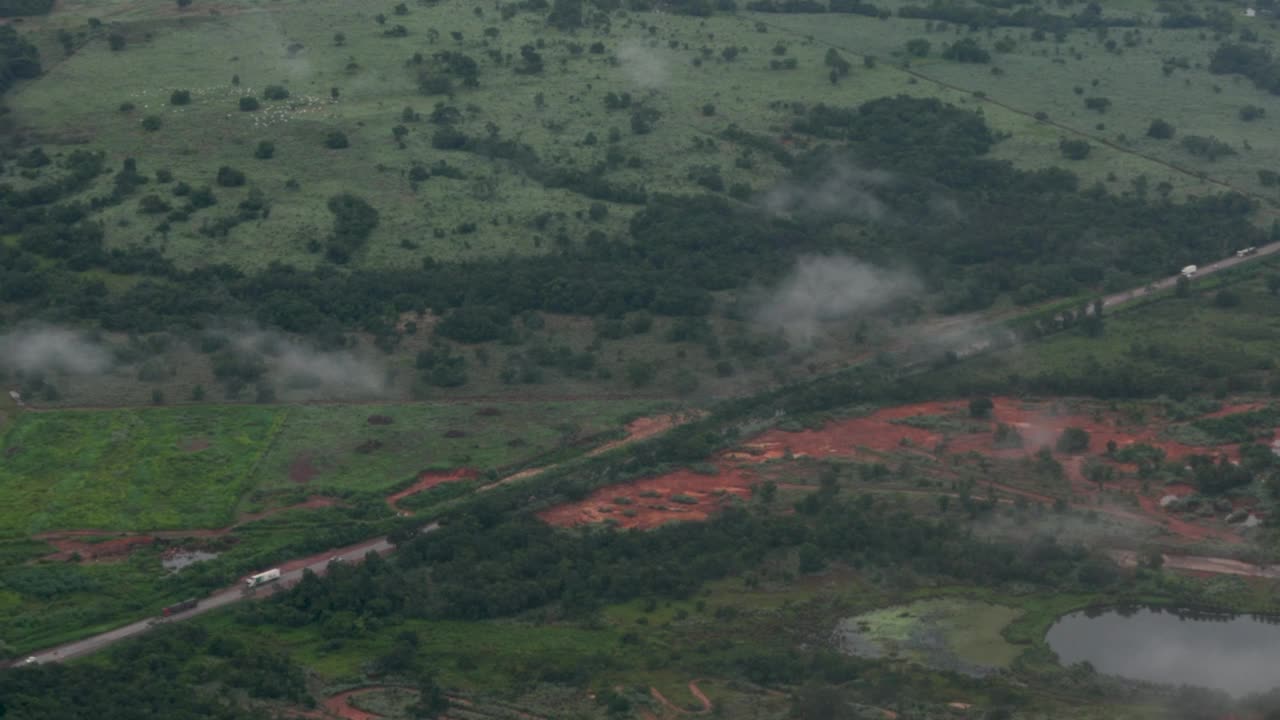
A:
{"x":175,"y":673}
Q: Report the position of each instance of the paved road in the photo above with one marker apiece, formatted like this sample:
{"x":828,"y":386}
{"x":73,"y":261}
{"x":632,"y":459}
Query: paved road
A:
{"x":1123,"y":297}
{"x":291,"y":574}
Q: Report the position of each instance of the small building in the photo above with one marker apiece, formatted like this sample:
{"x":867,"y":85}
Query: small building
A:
{"x":1250,"y":12}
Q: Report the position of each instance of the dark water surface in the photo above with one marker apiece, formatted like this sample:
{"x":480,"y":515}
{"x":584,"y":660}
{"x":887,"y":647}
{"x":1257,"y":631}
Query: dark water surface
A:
{"x":1236,"y":653}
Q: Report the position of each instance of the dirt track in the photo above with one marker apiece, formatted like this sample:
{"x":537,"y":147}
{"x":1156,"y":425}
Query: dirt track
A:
{"x":1194,"y":563}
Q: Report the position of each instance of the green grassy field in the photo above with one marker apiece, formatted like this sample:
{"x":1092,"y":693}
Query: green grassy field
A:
{"x":325,"y":437}
{"x":671,"y":63}
{"x":177,"y":468}
{"x":132,"y":469}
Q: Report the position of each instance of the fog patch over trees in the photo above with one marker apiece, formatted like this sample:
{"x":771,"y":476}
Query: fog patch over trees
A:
{"x":43,"y":348}
{"x":829,"y":288}
{"x":292,"y":364}
{"x":644,"y":67}
{"x":843,"y":190}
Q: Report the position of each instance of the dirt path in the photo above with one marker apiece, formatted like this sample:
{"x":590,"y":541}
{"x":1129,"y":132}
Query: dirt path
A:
{"x":1202,"y":564}
{"x":637,"y":430}
{"x":697,"y":693}
{"x":426,"y":481}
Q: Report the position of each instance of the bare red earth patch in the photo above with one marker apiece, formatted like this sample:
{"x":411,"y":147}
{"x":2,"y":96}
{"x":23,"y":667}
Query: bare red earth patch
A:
{"x":302,"y":469}
{"x":430,"y":479}
{"x":649,"y":503}
{"x":646,"y":503}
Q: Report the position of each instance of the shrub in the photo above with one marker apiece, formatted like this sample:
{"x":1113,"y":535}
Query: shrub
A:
{"x":967,"y":51}
{"x":230,"y":177}
{"x":1097,"y":104}
{"x":1074,"y":149}
{"x":249,"y":104}
{"x":1160,"y":130}
{"x":151,"y":123}
{"x":1249,"y":113}
{"x":265,"y":150}
{"x":336,"y":140}
{"x":275,"y":92}
{"x":180,"y":97}
{"x":116,"y":42}
{"x":1073,"y":440}
{"x":918,"y":47}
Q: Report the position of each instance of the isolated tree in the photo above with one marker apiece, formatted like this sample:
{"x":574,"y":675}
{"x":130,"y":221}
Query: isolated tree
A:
{"x":180,"y":97}
{"x":1097,"y":104}
{"x":275,"y":92}
{"x":265,"y":150}
{"x":1249,"y":113}
{"x":1182,"y":287}
{"x":981,"y":407}
{"x":249,"y":104}
{"x":565,"y":14}
{"x":339,"y":39}
{"x":151,"y":123}
{"x":1160,"y":130}
{"x":336,"y":140}
{"x":1073,"y":440}
{"x":116,"y":42}
{"x":184,"y":3}
{"x":1074,"y":149}
{"x":230,"y":177}
{"x":918,"y":47}
{"x":966,"y":50}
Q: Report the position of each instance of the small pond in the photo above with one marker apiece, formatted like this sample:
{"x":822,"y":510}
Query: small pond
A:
{"x":1239,"y":654}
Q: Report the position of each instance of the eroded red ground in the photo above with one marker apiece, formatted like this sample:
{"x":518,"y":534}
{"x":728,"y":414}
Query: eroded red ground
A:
{"x":649,"y":502}
{"x":428,"y":480}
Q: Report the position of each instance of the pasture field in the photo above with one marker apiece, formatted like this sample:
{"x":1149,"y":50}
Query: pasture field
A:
{"x":318,"y":446}
{"x":676,"y":65}
{"x":131,"y":469}
{"x":1055,"y":78}
{"x":191,"y":467}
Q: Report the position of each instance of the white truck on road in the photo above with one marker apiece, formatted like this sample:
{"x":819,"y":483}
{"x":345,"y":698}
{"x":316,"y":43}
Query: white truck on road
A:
{"x":262,"y":578}
{"x":1189,"y":271}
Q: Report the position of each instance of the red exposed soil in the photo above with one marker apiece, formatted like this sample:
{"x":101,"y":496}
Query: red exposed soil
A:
{"x":877,"y":435}
{"x":711,"y":492}
{"x":302,"y":469}
{"x":195,"y":445}
{"x":645,"y":428}
{"x":693,"y":688}
{"x":116,"y":549}
{"x":340,"y":706}
{"x":428,"y":480}
{"x":68,"y":541}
